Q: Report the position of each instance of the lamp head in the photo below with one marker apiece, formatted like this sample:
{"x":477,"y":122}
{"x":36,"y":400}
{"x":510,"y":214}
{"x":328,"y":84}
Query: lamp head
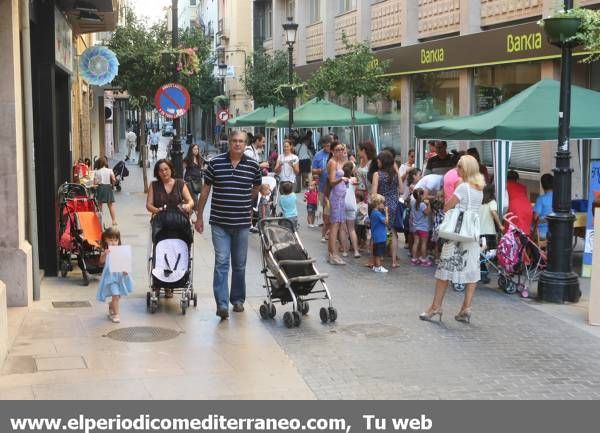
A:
{"x":290,"y":28}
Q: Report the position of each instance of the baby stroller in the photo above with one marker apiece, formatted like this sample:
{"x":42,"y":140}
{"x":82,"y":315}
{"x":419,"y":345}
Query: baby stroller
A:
{"x":170,"y":263}
{"x":520,"y":260}
{"x":79,"y":231}
{"x":290,"y":274}
{"x":120,"y":171}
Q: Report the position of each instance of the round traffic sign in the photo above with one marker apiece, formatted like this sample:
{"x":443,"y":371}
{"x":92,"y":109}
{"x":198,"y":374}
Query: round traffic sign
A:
{"x":223,"y":115}
{"x":172,"y":100}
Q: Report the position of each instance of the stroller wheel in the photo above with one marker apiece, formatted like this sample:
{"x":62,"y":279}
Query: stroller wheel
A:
{"x":195,"y":299}
{"x":297,"y":318}
{"x":148,"y":297}
{"x":502,"y":282}
{"x":288,"y":319}
{"x":458,"y":287}
{"x":324,"y":314}
{"x":86,"y":278}
{"x":304,"y":308}
{"x":118,"y":187}
{"x":332,"y":314}
{"x":64,"y":268}
{"x":272,"y":311}
{"x":511,"y":288}
{"x":184,"y":306}
{"x":153,"y":307}
{"x":264,"y":311}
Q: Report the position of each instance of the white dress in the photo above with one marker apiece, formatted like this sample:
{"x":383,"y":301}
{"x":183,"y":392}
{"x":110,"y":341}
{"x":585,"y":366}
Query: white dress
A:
{"x":459,"y":262}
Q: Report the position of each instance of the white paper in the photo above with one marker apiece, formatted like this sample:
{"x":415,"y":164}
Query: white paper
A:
{"x":119,"y":259}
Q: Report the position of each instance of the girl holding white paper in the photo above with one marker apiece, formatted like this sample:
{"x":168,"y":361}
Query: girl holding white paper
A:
{"x":113,"y":284}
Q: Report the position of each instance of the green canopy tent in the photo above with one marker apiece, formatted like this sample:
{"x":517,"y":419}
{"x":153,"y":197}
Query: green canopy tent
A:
{"x":257,"y":117}
{"x":321,"y":113}
{"x":531,"y":115}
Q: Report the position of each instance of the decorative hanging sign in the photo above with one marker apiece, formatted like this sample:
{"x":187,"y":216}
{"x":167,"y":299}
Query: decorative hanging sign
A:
{"x":98,"y":65}
{"x":172,"y":100}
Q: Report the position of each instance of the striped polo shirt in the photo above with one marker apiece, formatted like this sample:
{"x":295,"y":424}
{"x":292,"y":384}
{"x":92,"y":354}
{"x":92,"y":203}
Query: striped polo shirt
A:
{"x":231,"y":190}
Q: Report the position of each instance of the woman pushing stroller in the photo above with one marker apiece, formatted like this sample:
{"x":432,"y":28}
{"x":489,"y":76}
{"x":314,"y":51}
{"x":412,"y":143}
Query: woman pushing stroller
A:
{"x":168,"y":194}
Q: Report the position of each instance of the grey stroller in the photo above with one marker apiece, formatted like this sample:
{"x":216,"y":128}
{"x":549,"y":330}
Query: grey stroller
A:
{"x":290,"y":274}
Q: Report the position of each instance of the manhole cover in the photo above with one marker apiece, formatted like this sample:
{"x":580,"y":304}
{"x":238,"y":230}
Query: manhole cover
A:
{"x":142,"y":334}
{"x":70,"y":304}
{"x":372,"y":330}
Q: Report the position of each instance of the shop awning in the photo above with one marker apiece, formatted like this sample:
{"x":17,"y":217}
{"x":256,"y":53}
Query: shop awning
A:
{"x":528,"y":116}
{"x":91,"y":16}
{"x":257,"y":117}
{"x":321,"y":113}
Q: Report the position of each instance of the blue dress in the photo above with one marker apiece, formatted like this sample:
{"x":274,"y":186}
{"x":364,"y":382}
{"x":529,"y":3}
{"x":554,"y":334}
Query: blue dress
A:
{"x":113,"y":284}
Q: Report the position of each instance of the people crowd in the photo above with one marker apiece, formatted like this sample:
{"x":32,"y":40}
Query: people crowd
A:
{"x":360,"y":204}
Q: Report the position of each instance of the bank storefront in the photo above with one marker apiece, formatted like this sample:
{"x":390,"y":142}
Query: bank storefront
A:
{"x":469,"y":74}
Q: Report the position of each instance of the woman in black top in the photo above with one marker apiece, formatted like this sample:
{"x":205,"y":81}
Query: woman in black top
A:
{"x":193,"y":164}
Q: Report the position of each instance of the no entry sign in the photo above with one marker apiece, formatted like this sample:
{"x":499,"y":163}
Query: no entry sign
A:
{"x":172,"y":100}
{"x":223,"y":116}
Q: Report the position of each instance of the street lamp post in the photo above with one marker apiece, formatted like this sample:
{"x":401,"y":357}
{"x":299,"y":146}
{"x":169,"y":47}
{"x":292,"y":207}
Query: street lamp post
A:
{"x":558,"y":283}
{"x":176,"y":153}
{"x":290,"y":28}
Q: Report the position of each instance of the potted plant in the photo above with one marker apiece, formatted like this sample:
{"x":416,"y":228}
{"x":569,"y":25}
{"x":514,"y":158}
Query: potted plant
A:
{"x":577,"y":26}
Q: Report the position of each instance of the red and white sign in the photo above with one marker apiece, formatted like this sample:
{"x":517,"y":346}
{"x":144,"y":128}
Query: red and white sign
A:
{"x":223,"y":116}
{"x":172,"y":100}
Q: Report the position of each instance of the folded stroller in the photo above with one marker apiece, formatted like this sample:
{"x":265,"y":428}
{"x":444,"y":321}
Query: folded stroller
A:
{"x":290,"y":274}
{"x":171,"y":259}
{"x":120,"y":171}
{"x":79,"y":231}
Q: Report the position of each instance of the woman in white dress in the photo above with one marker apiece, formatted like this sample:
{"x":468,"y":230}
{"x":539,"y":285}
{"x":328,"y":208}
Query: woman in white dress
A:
{"x":459,"y":262}
{"x":288,"y":164}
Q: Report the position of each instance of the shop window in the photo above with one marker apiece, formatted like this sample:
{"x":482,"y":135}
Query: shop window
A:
{"x":435,"y":96}
{"x":494,"y":85}
{"x":388,"y":111}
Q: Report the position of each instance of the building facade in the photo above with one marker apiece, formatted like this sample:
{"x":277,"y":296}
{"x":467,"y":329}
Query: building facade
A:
{"x":448,"y":58}
{"x":44,"y":127}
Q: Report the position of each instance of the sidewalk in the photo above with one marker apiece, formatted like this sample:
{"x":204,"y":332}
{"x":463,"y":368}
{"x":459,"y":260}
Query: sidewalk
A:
{"x":65,"y":353}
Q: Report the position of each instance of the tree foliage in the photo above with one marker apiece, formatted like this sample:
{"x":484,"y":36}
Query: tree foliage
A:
{"x":357,"y":73}
{"x":141,"y":71}
{"x":265,"y":76}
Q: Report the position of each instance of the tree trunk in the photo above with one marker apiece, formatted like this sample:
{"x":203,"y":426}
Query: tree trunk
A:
{"x":144,"y":150}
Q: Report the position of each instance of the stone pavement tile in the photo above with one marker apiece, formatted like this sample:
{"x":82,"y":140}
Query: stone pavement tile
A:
{"x":30,"y":346}
{"x":17,"y":393}
{"x":59,"y":363}
{"x":204,"y":387}
{"x":113,"y":389}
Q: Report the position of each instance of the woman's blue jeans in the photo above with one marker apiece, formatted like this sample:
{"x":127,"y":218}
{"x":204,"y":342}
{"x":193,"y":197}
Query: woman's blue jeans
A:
{"x":229,"y":243}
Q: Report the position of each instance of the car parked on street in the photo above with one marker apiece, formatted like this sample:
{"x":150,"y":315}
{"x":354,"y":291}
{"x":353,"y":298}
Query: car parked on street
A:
{"x":167,"y":129}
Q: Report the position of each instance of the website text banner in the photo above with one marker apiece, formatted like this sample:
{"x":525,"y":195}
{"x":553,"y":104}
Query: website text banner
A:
{"x":297,"y":416}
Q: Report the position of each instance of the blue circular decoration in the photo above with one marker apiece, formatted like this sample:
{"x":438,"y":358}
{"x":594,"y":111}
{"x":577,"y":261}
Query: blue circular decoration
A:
{"x":98,"y":65}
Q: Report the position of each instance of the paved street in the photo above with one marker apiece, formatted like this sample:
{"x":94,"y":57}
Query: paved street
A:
{"x":378,"y":348}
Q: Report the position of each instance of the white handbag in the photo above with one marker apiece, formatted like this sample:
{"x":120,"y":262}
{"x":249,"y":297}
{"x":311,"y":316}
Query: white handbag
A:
{"x":460,"y":225}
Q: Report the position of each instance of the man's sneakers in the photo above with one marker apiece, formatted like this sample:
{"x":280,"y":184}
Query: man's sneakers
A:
{"x":223,"y":313}
{"x":238,"y":308}
{"x":379,"y":269}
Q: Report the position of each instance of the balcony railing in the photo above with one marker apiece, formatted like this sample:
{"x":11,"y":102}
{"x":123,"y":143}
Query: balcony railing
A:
{"x":346,"y":23}
{"x":386,"y":23}
{"x":501,"y":11}
{"x":438,"y":17}
{"x":314,"y":42}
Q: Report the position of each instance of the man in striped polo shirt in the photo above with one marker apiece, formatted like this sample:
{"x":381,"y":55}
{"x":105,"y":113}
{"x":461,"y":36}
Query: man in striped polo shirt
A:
{"x":234,"y":179}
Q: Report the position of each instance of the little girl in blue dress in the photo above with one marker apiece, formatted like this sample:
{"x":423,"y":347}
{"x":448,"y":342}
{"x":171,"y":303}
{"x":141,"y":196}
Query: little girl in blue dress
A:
{"x":114,"y":284}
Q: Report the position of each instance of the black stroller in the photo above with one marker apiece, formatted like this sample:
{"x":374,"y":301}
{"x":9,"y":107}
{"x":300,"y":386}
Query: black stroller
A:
{"x":170,"y":265}
{"x":290,"y":274}
{"x":120,"y":171}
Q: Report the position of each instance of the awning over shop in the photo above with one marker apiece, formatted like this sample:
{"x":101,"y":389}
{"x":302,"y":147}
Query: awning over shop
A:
{"x":91,"y":16}
{"x":258,"y":117}
{"x":321,"y":113}
{"x":528,"y":116}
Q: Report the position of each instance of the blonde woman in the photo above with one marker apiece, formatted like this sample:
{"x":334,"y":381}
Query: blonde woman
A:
{"x":459,"y":262}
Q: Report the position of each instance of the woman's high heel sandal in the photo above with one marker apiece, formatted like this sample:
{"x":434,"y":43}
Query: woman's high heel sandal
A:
{"x":464,"y":316}
{"x":429,"y":315}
